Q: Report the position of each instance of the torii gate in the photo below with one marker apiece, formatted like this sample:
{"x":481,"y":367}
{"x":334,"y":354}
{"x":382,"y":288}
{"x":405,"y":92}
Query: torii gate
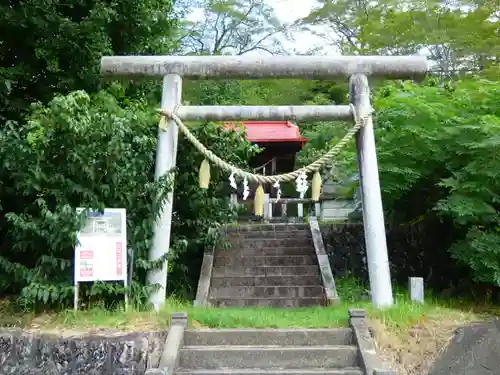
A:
{"x":356,"y":68}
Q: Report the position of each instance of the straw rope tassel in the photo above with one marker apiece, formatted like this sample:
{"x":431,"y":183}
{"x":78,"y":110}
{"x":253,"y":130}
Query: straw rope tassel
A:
{"x":204,"y":174}
{"x":259,"y":201}
{"x":163,"y":123}
{"x":316,"y":187}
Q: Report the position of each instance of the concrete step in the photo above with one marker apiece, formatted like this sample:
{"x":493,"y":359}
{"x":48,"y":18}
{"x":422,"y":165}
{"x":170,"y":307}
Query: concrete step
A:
{"x":268,"y":292}
{"x":268,"y":357}
{"x":255,"y":261}
{"x":267,"y":302}
{"x":266,"y":251}
{"x":230,"y":271}
{"x":278,"y":227}
{"x":318,"y":371}
{"x":271,"y":234}
{"x":257,"y":243}
{"x":236,"y":281}
{"x":252,"y":336}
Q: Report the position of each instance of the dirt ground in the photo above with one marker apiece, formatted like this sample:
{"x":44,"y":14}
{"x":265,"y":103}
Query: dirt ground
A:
{"x":413,"y":351}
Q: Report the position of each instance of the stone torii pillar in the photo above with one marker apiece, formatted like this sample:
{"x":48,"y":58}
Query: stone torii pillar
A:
{"x":356,"y":68}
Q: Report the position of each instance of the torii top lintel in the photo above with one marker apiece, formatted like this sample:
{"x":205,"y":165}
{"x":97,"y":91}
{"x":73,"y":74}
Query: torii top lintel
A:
{"x":257,"y":67}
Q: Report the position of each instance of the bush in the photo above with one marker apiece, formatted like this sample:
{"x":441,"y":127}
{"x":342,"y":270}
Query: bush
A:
{"x":444,"y":139}
{"x":436,"y":147}
{"x":92,"y":151}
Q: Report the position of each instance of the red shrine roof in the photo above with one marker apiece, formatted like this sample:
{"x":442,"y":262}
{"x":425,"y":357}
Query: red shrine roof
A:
{"x":270,"y":131}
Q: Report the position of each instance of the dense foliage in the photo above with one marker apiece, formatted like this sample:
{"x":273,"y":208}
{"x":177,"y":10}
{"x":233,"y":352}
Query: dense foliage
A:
{"x":50,"y":47}
{"x":83,"y":151}
{"x":437,"y":151}
{"x":79,"y":151}
{"x":445,"y":139}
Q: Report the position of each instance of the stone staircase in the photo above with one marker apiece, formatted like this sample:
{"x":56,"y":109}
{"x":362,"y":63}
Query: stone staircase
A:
{"x":269,"y":352}
{"x":267,"y":265}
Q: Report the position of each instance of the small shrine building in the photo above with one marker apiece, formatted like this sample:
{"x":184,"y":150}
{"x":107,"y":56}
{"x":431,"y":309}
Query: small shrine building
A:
{"x":281,"y":141}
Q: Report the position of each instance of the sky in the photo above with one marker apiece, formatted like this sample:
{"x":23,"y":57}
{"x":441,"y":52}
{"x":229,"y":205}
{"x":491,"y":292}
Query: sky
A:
{"x":290,"y":13}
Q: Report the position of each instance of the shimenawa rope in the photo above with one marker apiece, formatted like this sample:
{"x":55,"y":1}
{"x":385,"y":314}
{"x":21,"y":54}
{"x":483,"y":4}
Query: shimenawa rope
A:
{"x":359,"y":122}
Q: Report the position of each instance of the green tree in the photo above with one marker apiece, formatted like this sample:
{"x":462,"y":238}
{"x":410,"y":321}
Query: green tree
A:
{"x":436,"y":151}
{"x":234,"y":27}
{"x":79,"y":151}
{"x":50,"y":47}
{"x":231,"y":27}
{"x":457,"y":36}
{"x":95,"y":152}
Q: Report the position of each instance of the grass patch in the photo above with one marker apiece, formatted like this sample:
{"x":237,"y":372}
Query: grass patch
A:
{"x":400,"y":317}
{"x":319,"y":317}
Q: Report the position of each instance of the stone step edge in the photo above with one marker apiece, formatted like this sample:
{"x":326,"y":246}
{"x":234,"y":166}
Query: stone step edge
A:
{"x":259,"y":276}
{"x":312,"y":371}
{"x":237,"y":281}
{"x":286,"y":242}
{"x":265,"y":248}
{"x":316,"y":299}
{"x":265,"y":225}
{"x":269,"y":286}
{"x":252,"y":243}
{"x":295,"y":229}
{"x":251,"y":233}
{"x":226,"y":276}
{"x":265,"y":261}
{"x":272,"y":286}
{"x":270,"y":330}
{"x":219,"y":270}
{"x":268,"y":235}
{"x":205,"y":348}
{"x":295,"y":266}
{"x":265,"y":286}
{"x":271,"y":256}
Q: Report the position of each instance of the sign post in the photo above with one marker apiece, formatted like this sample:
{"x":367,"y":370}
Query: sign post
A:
{"x":101,"y":249}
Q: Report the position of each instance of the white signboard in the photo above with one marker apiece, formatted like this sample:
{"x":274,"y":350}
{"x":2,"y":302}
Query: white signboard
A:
{"x":101,"y":250}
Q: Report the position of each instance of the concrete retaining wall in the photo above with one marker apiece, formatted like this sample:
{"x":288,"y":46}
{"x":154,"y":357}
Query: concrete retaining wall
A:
{"x":131,"y":354}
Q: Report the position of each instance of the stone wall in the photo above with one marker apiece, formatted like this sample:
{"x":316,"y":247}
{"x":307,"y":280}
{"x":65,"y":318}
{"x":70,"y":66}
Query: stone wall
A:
{"x":415,"y":250}
{"x":23,"y":353}
{"x":345,"y":246}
